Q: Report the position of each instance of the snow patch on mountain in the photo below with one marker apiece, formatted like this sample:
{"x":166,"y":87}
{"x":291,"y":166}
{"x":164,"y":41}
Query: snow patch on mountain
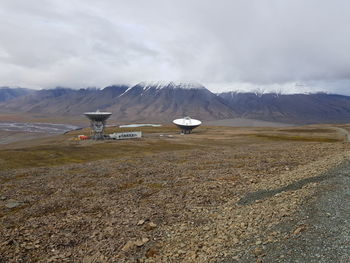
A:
{"x":170,"y":84}
{"x":260,"y":94}
{"x":159,"y":85}
{"x":259,"y":90}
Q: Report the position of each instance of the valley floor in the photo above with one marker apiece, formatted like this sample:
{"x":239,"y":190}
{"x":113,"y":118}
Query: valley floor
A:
{"x":11,"y":136}
{"x":242,"y":122}
{"x":218,"y":195}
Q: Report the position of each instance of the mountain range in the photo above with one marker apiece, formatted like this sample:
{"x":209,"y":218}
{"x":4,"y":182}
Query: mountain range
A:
{"x":7,"y":93}
{"x":162,"y":102}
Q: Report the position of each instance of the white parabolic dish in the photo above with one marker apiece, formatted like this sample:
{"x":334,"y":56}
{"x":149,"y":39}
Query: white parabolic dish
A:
{"x":187,"y":122}
{"x":98,"y":115}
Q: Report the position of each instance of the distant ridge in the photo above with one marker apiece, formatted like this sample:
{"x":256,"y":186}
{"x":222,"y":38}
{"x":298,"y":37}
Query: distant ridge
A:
{"x":64,"y":101}
{"x":290,"y":108}
{"x":7,"y":93}
{"x":146,"y":101}
{"x":165,"y":101}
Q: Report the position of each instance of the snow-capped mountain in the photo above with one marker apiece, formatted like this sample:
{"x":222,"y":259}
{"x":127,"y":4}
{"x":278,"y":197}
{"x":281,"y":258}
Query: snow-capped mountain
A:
{"x":165,"y":101}
{"x":159,"y":85}
{"x":155,"y":101}
{"x":171,"y":85}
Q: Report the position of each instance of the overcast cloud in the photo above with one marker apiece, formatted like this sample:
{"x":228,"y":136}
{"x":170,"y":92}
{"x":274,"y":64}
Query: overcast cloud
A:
{"x":227,"y":44}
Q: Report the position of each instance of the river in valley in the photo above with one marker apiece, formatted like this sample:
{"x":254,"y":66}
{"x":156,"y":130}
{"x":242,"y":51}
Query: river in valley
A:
{"x":51,"y":128}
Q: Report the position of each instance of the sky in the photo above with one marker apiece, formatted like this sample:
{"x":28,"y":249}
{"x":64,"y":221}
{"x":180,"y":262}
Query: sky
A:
{"x":287,"y":46}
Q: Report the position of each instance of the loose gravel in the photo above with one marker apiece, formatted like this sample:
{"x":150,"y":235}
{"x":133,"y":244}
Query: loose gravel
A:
{"x":176,"y":206}
{"x":319,"y":232}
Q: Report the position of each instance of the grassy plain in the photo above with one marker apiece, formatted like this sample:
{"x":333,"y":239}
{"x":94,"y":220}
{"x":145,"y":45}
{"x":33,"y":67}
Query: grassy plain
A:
{"x":64,"y":149}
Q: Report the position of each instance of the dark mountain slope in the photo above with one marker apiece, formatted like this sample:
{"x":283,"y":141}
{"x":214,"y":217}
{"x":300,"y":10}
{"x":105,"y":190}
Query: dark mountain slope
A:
{"x":294,"y":108}
{"x":163,"y":102}
{"x":142,"y":102}
{"x":7,"y":94}
{"x":62,"y":101}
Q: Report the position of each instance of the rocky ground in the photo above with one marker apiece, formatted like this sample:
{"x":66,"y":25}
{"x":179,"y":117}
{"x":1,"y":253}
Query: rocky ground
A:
{"x":223,"y":202}
{"x":319,"y":232}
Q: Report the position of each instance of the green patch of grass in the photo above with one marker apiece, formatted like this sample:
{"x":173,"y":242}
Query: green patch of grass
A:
{"x":306,"y":130}
{"x":129,"y":185}
{"x":149,"y":193}
{"x":156,"y":185}
{"x":50,"y":155}
{"x":280,"y":137}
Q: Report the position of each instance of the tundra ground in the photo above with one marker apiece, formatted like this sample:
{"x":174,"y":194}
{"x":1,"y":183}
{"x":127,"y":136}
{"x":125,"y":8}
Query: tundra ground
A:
{"x":204,"y":197}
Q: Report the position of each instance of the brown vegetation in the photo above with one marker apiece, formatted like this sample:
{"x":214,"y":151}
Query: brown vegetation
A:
{"x":158,"y":199}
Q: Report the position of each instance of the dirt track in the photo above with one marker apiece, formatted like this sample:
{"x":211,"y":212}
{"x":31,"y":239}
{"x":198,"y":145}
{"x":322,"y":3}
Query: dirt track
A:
{"x":319,"y":232}
{"x":344,"y":132}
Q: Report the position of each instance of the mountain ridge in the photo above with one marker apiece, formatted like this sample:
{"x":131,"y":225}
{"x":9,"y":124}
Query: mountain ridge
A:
{"x":143,"y":101}
{"x":7,"y":93}
{"x":162,"y":101}
{"x":291,"y":108}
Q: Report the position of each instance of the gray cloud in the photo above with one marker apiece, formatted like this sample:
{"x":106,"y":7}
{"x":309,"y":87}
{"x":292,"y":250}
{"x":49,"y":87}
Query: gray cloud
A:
{"x":240,"y":44}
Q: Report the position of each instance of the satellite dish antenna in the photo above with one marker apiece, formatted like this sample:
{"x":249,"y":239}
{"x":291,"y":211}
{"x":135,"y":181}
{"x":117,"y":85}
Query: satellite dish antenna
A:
{"x":187,"y":124}
{"x":97,"y":123}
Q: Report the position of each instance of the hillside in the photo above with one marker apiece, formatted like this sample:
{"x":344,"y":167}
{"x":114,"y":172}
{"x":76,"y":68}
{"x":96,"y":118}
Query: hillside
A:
{"x":162,"y":102}
{"x":7,"y":93}
{"x":63,"y":101}
{"x":142,"y":102}
{"x":290,"y":108}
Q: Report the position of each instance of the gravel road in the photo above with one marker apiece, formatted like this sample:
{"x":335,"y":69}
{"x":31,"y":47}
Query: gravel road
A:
{"x":343,"y":131}
{"x":320,"y":232}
